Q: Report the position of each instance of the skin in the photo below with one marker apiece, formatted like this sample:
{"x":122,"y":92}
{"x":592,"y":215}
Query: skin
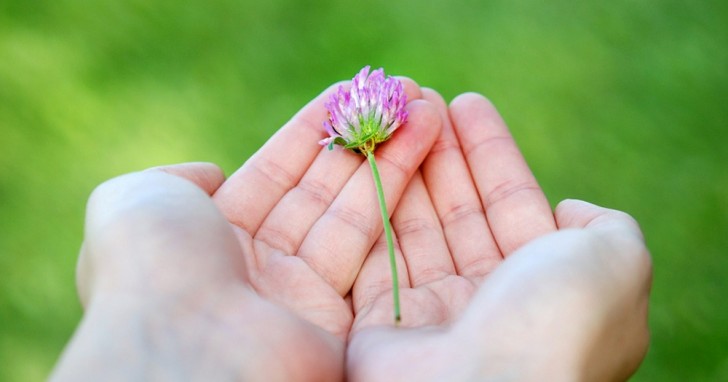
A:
{"x":280,"y":272}
{"x":495,"y":286}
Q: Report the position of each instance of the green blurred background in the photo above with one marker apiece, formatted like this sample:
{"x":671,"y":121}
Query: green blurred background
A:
{"x":621,"y":103}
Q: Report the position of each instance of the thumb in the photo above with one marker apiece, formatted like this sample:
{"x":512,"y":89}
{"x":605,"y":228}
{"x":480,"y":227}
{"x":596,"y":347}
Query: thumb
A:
{"x":572,"y":213}
{"x":208,"y":176}
{"x":152,"y":232}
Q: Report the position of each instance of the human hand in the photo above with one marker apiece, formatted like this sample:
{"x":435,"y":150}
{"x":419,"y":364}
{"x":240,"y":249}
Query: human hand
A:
{"x":510,"y":291}
{"x":166,"y":295}
{"x":248,"y":279}
{"x":307,"y":217}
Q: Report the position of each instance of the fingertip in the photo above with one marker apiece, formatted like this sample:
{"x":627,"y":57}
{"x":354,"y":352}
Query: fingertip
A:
{"x":434,"y":97}
{"x":473,"y":111}
{"x":568,"y":210}
{"x":333,"y":88}
{"x":618,"y":227}
{"x":574,"y":213}
{"x":207,"y":176}
{"x":424,"y":117}
{"x":411,"y":88}
{"x":136,"y":191}
{"x":470,"y":99}
{"x":416,"y":137}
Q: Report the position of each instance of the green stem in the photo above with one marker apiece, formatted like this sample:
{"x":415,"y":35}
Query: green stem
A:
{"x":387,"y":234}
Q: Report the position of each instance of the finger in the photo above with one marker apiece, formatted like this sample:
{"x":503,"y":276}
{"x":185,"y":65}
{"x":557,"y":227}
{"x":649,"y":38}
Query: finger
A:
{"x":516,"y":208}
{"x":572,"y":213}
{"x":420,"y":236}
{"x":625,"y":268}
{"x":375,"y":277}
{"x":145,"y":231}
{"x":248,"y":195}
{"x":338,"y":242}
{"x":615,"y":227}
{"x":207,"y":176}
{"x":570,"y":291}
{"x":290,"y":220}
{"x":456,"y":201}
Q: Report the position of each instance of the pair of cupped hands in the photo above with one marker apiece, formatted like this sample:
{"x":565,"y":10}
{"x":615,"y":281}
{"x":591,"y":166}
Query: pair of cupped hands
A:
{"x":281,"y":272}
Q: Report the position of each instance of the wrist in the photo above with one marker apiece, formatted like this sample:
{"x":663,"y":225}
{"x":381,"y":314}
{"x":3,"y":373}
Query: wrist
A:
{"x":131,"y":337}
{"x":108,"y":344}
{"x":235,"y":335}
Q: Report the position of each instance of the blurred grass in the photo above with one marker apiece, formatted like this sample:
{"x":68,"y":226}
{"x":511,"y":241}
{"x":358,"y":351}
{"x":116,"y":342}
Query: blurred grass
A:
{"x":622,"y":103}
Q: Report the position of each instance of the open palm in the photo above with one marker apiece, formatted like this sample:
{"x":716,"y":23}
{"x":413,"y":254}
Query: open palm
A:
{"x":306,"y":217}
{"x":448,"y":242}
{"x":479,"y":288}
{"x":473,"y":202}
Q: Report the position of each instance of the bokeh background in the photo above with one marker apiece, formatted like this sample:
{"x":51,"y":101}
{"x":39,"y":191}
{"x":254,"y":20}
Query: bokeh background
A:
{"x":621,"y":103}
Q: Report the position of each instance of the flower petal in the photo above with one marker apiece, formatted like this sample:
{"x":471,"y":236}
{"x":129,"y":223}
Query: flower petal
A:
{"x":368,"y":113}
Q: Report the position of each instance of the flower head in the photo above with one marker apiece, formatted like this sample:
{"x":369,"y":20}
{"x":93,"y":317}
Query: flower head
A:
{"x":367,"y":114}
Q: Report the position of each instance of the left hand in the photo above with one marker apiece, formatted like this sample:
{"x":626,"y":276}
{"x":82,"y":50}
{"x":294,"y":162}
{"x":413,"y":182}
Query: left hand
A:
{"x":164,"y":286}
{"x":248,"y":278}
